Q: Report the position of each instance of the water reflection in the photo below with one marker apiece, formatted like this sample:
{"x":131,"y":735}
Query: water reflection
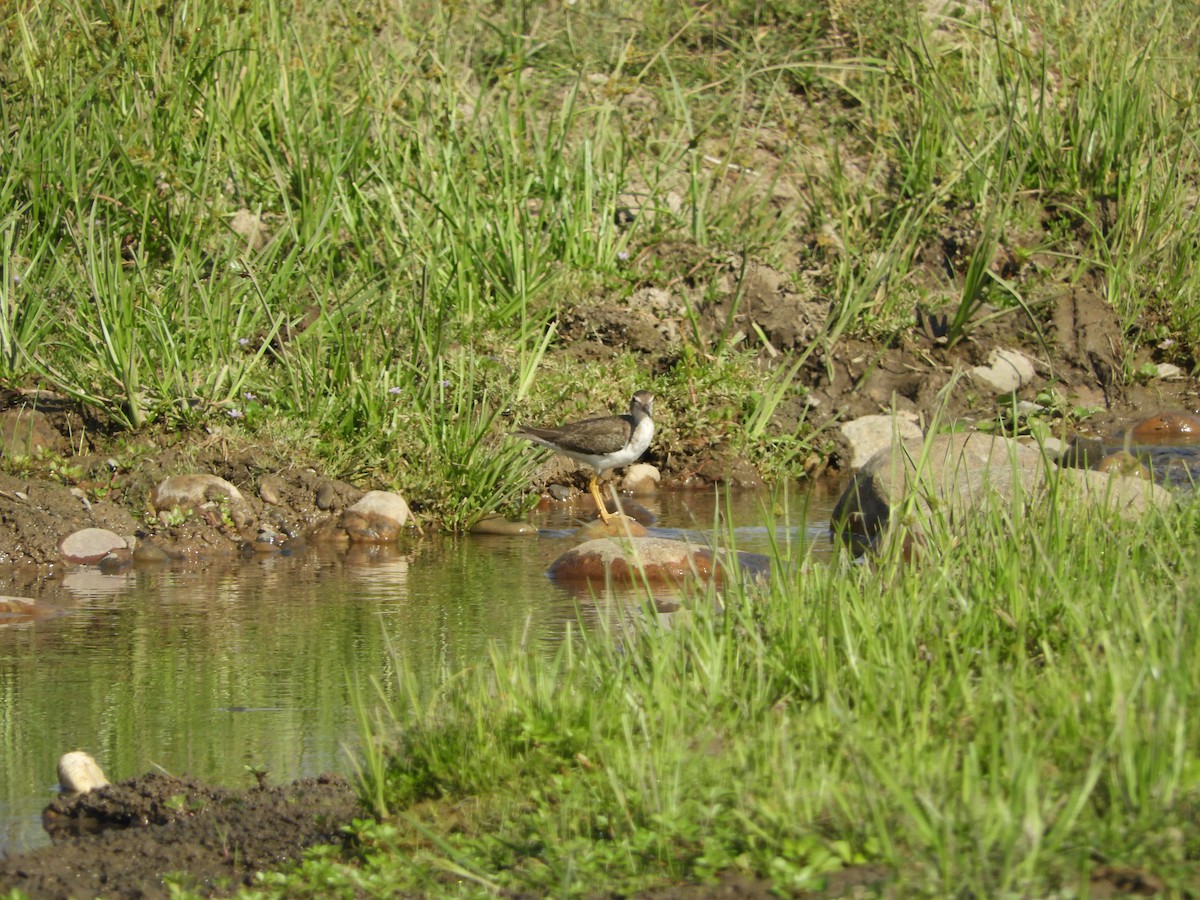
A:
{"x":208,"y":670}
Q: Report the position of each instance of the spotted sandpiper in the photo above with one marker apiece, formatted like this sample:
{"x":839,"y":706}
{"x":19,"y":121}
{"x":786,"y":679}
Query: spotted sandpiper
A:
{"x":604,"y":443}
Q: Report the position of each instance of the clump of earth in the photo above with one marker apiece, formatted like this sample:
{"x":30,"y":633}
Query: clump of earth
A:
{"x":217,"y":838}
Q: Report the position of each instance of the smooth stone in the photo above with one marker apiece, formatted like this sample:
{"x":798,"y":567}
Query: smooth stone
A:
{"x":78,"y":773}
{"x":90,"y":545}
{"x":641,"y":480}
{"x":632,"y":560}
{"x":498,"y":525}
{"x":1167,"y":428}
{"x":376,"y":518}
{"x":1123,"y":463}
{"x":559,"y":492}
{"x":194,"y":490}
{"x":271,"y":488}
{"x":25,"y":431}
{"x":867,"y":435}
{"x":955,"y":478}
{"x":325,"y":496}
{"x":1006,"y":372}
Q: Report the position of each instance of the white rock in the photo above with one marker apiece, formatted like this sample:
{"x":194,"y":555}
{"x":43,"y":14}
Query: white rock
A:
{"x":867,"y":435}
{"x":387,"y":504}
{"x":78,"y":773}
{"x":1007,"y":371}
{"x":1168,"y":371}
{"x":190,"y":491}
{"x":641,"y":479}
{"x":90,"y":545}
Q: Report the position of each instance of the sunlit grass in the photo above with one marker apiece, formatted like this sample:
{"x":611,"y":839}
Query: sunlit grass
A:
{"x":998,"y":720}
{"x":429,"y":182}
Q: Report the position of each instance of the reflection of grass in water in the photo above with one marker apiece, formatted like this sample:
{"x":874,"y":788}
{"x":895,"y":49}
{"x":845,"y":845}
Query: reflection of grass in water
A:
{"x":990,"y":721}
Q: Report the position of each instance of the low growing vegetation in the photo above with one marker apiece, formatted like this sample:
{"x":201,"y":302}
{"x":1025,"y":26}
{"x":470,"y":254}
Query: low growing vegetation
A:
{"x":1004,"y":719}
{"x":371,"y":231}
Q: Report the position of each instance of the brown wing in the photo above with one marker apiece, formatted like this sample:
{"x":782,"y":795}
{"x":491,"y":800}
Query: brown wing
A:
{"x":592,"y":436}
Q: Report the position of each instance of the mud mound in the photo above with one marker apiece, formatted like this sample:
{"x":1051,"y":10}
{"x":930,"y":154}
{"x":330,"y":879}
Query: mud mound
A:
{"x":123,"y":840}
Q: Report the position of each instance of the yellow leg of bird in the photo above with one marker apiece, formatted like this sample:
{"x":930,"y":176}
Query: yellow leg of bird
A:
{"x":594,"y":487}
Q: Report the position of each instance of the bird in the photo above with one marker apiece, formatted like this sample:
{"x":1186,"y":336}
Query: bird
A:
{"x":604,"y":443}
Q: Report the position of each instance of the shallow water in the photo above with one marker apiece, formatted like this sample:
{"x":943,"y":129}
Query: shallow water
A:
{"x":214,"y":670}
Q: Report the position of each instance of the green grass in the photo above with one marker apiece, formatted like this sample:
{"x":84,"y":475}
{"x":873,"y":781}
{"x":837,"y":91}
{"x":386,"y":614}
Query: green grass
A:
{"x":998,"y":721}
{"x":439,"y":186}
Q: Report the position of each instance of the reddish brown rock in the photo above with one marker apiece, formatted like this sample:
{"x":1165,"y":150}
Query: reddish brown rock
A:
{"x":1167,"y":428}
{"x":656,"y":560}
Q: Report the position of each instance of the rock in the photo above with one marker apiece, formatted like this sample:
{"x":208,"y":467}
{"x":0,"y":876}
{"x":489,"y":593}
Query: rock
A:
{"x":149,"y":554}
{"x":1168,"y":371}
{"x":78,"y":773}
{"x":498,"y":525}
{"x":271,"y":488}
{"x":376,"y":518}
{"x":198,"y":490}
{"x":117,"y":561}
{"x":1123,"y":463}
{"x":90,"y":545}
{"x":658,"y":560}
{"x":559,"y":492}
{"x":867,"y":435}
{"x":641,"y":480}
{"x":1007,"y":371}
{"x":1167,"y":428}
{"x":326,"y":495}
{"x":25,"y":431}
{"x":962,"y":475}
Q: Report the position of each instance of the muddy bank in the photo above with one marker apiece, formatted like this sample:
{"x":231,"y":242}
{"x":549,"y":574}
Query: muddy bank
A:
{"x":123,"y":840}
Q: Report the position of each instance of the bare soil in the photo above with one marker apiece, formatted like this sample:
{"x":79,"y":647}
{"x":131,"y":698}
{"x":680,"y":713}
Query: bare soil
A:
{"x":216,"y":839}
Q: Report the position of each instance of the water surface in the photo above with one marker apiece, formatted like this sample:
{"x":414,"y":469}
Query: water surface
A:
{"x":212,"y":670}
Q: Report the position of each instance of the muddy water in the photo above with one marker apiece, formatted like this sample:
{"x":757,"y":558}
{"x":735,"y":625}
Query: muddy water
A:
{"x":218,"y":670}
